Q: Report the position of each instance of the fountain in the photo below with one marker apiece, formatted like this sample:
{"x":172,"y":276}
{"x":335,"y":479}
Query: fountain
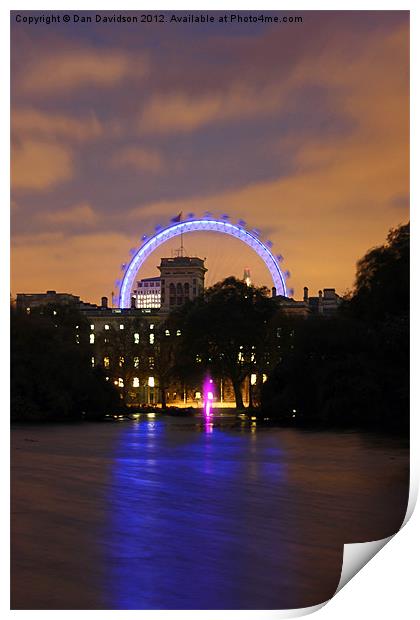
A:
{"x":208,"y":396}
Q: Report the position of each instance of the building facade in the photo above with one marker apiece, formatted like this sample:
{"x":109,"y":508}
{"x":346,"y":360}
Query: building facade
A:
{"x":147,"y":294}
{"x":27,"y":301}
{"x":325,"y":304}
{"x":129,"y":344}
{"x":181,"y":279}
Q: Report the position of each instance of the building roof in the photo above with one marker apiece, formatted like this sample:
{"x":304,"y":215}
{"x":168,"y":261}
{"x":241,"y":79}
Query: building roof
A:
{"x":149,"y":279}
{"x":182,"y":261}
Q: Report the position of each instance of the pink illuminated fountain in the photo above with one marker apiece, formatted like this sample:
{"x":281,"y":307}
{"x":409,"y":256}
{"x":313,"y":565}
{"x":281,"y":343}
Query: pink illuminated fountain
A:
{"x":208,"y":388}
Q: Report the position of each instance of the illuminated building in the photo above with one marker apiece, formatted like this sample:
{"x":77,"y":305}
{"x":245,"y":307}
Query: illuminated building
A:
{"x":147,"y":294}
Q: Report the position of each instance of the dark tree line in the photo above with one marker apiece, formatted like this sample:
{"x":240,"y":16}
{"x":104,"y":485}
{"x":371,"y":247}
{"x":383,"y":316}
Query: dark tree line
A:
{"x":51,"y":371}
{"x":353,"y":369}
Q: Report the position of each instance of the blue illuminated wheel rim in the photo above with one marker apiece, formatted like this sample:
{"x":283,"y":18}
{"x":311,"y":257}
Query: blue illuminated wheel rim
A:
{"x":207,"y":225}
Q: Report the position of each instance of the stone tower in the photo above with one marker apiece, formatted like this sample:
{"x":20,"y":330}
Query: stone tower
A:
{"x":181,"y":279}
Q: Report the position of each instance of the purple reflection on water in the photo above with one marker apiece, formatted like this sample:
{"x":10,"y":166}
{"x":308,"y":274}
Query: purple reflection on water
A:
{"x":183,"y":530}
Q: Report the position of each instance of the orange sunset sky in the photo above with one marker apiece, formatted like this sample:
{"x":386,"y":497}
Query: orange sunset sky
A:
{"x":299,"y":129}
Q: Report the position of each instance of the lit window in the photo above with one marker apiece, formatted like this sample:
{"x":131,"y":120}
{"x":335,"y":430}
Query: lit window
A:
{"x":121,"y":362}
{"x":121,"y":326}
{"x":151,"y":338}
{"x":106,"y":326}
{"x":92,"y":338}
{"x":106,"y":362}
{"x":136,"y":361}
{"x":136,"y":338}
{"x":136,"y":382}
{"x":77,"y":338}
{"x":120,"y":382}
{"x":93,"y":362}
{"x":151,"y":363}
{"x":92,"y":326}
{"x":28,"y":311}
{"x":54,"y":312}
{"x":151,"y":382}
{"x":178,"y":332}
{"x":167,"y":332}
{"x":151,"y":326}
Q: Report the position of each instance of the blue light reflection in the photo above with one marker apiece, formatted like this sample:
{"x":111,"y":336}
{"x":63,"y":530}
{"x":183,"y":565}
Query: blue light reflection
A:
{"x":188,"y":507}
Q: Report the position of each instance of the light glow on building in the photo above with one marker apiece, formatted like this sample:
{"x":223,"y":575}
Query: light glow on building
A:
{"x":147,"y":293}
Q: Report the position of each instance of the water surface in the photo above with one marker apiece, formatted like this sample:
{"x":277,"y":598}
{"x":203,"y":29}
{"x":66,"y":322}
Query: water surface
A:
{"x":177,"y":514}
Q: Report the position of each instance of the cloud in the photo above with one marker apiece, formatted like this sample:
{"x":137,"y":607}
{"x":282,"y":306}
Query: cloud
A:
{"x":34,"y":122}
{"x":179,"y":112}
{"x":339,"y":119}
{"x":339,"y":197}
{"x":77,"y":214}
{"x":138,"y":158}
{"x":40,"y":165}
{"x":73,"y":69}
{"x":60,"y":262}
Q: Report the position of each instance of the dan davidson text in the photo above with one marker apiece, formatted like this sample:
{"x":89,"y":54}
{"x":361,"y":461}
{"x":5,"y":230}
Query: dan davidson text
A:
{"x":58,"y":18}
{"x":191,"y":18}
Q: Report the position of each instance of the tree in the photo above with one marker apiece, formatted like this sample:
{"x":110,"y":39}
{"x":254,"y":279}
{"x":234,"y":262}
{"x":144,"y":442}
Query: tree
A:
{"x":166,"y":346}
{"x":352,"y":370}
{"x":382,"y":287}
{"x":341,"y":372}
{"x":51,"y":371}
{"x":223,"y":331}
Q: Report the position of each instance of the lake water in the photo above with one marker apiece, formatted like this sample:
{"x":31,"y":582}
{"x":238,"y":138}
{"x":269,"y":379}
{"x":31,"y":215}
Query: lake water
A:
{"x":172,"y":513}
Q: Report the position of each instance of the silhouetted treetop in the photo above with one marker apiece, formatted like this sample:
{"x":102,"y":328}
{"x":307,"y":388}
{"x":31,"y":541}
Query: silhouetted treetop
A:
{"x":383,"y":279}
